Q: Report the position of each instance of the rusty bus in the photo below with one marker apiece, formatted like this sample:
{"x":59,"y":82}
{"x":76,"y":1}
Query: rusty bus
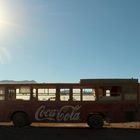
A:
{"x":91,"y":101}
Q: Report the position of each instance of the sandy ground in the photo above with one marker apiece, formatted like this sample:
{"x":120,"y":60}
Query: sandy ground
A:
{"x":134,"y":125}
{"x":40,"y":131}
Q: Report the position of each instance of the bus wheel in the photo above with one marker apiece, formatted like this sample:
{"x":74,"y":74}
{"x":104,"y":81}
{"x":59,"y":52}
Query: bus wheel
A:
{"x":20,"y":119}
{"x":95,"y":121}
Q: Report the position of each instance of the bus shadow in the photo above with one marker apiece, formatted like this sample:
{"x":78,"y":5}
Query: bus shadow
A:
{"x":82,"y":133}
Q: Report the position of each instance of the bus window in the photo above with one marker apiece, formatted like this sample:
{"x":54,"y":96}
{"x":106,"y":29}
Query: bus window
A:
{"x":109,"y":94}
{"x":23,"y":93}
{"x":46,"y":94}
{"x":130,"y":93}
{"x":42,"y":94}
{"x":88,"y":94}
{"x":10,"y":94}
{"x":76,"y":94}
{"x":64,"y":94}
{"x":52,"y":94}
{"x":34,"y":93}
{"x":2,"y":94}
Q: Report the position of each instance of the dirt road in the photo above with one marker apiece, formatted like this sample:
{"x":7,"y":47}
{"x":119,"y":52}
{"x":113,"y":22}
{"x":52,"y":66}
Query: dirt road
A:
{"x":64,"y":133}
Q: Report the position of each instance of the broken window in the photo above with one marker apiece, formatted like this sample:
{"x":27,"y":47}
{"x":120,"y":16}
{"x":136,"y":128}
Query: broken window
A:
{"x":130,"y":93}
{"x":110,"y":93}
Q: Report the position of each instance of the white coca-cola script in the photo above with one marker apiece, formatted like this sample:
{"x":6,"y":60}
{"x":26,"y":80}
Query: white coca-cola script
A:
{"x":65,"y":113}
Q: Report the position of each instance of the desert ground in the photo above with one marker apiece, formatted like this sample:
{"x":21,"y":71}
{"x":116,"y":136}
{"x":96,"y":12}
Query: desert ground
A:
{"x":38,"y":131}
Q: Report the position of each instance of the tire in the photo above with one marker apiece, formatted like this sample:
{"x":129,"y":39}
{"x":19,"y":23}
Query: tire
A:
{"x":20,"y":119}
{"x":95,"y":121}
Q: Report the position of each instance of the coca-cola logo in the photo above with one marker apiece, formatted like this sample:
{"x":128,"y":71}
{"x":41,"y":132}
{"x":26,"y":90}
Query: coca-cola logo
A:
{"x":65,"y":113}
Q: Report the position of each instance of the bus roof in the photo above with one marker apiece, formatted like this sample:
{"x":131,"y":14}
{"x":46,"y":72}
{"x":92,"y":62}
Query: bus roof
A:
{"x":106,"y":81}
{"x":82,"y":82}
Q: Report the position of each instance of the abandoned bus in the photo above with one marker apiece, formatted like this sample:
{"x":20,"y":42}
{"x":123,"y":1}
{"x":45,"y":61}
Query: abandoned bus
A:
{"x":91,"y":101}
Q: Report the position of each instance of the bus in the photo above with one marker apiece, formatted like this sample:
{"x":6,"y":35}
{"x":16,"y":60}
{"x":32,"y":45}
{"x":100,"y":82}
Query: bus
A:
{"x":91,"y":101}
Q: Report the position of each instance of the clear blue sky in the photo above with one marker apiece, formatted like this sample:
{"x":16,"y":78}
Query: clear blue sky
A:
{"x":65,"y":40}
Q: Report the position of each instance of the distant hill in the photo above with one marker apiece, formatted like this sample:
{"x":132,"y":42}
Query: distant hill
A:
{"x":17,"y":82}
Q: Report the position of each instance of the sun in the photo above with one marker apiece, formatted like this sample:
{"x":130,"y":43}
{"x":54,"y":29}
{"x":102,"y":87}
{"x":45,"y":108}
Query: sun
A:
{"x":3,"y":16}
{"x":7,"y":22}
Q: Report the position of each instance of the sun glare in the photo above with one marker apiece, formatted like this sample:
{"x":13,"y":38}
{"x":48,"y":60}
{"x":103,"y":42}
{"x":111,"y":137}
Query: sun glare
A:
{"x":3,"y":16}
{"x":7,"y":20}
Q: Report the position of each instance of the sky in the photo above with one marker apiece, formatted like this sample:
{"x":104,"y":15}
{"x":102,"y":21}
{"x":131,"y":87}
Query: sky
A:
{"x":69,"y":40}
